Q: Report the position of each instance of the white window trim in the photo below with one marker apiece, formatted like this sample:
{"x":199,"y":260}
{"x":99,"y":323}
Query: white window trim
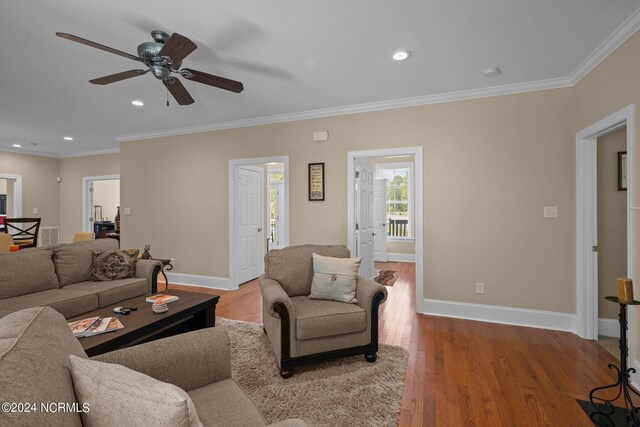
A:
{"x":410,"y":166}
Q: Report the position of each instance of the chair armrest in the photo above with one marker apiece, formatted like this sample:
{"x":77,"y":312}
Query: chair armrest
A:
{"x":292,"y":422}
{"x":189,"y":361}
{"x":366,"y":290}
{"x":273,"y":293}
{"x":149,"y":269}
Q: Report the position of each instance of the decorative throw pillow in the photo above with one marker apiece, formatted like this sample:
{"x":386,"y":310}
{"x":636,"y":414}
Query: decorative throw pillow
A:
{"x":334,"y":278}
{"x":117,"y":395}
{"x":133,"y":253}
{"x":112,"y":265}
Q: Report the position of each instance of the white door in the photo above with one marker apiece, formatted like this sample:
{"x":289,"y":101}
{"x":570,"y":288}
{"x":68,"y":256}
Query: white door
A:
{"x":249,"y":212}
{"x":380,"y":220}
{"x":365,"y":217}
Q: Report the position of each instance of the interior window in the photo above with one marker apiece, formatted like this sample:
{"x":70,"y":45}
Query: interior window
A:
{"x":399,"y":203}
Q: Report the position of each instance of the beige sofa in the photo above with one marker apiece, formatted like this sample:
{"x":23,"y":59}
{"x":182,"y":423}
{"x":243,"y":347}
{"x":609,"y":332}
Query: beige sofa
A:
{"x":35,"y":345}
{"x":57,"y":276}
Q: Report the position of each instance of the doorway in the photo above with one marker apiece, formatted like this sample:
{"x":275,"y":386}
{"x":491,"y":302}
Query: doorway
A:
{"x":10,"y":197}
{"x":258,"y":214}
{"x":100,"y":202}
{"x":358,"y":197}
{"x":587,"y":222}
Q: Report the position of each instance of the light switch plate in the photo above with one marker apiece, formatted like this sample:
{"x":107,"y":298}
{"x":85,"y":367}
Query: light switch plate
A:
{"x":551,"y":212}
{"x":35,"y":211}
{"x":126,"y":211}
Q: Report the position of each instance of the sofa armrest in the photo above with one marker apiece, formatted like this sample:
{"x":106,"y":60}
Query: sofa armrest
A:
{"x":189,"y":361}
{"x":273,"y":293}
{"x":149,"y":269}
{"x":292,"y":422}
{"x":366,"y":290}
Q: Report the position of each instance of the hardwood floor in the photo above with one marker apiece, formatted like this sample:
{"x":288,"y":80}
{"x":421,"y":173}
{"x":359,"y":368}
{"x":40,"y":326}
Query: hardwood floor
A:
{"x":466,"y":373}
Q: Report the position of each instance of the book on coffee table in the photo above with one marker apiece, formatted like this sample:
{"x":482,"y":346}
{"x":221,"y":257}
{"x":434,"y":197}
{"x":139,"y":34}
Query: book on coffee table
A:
{"x":104,"y":325}
{"x":80,"y":326}
{"x":164,"y":299}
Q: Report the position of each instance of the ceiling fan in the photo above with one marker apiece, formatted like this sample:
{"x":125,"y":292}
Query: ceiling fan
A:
{"x":163,"y":57}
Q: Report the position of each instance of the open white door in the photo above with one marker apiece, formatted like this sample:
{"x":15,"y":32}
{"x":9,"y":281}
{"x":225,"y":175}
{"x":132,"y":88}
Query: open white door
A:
{"x":365,"y":217}
{"x":249,"y":211}
{"x":380,"y":220}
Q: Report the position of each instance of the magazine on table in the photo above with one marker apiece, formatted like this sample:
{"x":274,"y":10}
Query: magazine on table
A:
{"x":163,"y":299}
{"x":98,"y":325}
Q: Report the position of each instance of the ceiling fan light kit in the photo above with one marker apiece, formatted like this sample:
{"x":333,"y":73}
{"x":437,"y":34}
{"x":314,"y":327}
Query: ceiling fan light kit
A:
{"x":163,"y":57}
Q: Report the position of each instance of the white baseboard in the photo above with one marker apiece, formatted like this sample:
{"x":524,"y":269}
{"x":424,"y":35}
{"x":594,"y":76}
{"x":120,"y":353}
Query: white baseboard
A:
{"x":499,"y":314}
{"x":609,"y":328}
{"x":211,"y":282}
{"x":402,"y":257}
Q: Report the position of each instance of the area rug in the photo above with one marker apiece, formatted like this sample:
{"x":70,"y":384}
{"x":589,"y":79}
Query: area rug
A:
{"x":345,"y":392}
{"x":387,"y":277}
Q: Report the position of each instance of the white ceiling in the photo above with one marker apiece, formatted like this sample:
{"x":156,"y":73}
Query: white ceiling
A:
{"x":292,"y":56}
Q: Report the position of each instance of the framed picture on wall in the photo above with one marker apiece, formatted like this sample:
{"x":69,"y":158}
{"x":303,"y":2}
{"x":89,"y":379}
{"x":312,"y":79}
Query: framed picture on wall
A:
{"x":622,"y":171}
{"x":316,"y":182}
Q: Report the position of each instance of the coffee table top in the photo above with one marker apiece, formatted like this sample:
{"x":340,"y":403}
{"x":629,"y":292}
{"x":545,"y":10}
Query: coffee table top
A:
{"x":142,"y":320}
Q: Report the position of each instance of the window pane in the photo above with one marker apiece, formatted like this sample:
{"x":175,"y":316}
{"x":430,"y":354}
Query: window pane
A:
{"x":276,"y":176}
{"x":398,"y":207}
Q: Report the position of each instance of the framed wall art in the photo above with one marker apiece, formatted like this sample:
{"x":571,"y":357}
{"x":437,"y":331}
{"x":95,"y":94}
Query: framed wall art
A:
{"x":316,"y":182}
{"x":622,"y":171}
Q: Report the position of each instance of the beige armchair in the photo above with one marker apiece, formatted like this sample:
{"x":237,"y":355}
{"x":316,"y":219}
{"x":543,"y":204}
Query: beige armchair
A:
{"x":5,"y":241}
{"x":303,"y":330}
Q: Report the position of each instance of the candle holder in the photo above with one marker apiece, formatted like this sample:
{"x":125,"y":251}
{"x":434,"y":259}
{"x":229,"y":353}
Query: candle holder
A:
{"x":622,"y":383}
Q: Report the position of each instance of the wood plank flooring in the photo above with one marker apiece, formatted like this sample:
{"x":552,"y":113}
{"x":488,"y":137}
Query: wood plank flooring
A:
{"x":466,"y":373}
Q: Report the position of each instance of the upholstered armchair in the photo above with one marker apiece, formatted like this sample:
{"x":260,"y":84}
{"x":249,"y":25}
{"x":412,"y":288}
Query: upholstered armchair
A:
{"x":303,"y":330}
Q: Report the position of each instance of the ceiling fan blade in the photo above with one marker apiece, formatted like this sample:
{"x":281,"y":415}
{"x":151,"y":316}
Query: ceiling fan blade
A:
{"x":178,"y":91}
{"x":117,"y":77}
{"x":211,"y":80}
{"x":177,"y":48}
{"x":98,"y":46}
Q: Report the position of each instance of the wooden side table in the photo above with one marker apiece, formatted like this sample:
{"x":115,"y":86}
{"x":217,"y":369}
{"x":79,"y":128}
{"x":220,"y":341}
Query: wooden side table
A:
{"x":622,"y":385}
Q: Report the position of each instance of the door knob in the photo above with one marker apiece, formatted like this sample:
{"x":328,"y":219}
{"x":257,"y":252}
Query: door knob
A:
{"x":259,"y":229}
{"x":373,"y":234}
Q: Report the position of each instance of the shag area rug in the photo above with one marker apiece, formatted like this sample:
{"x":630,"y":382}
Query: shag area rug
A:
{"x":387,"y":277}
{"x":344,"y":392}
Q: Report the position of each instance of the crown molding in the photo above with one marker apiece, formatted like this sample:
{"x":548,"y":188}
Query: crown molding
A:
{"x":613,"y":42}
{"x":356,"y":109}
{"x":28,"y":152}
{"x":89,"y":153}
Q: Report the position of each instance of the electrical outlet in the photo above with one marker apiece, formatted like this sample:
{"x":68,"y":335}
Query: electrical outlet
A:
{"x":480,"y":288}
{"x":35,"y":211}
{"x":550,"y":212}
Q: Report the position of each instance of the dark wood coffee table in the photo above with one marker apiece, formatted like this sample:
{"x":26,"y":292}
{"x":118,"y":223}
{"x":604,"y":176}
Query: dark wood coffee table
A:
{"x":192,"y":311}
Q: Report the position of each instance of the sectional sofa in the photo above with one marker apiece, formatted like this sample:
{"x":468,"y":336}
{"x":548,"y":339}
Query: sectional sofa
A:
{"x":58,"y":276}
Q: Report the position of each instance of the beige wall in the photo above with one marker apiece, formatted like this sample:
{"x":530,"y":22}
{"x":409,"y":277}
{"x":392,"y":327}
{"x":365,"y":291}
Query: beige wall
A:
{"x":107,"y":194}
{"x":39,"y":187}
{"x":3,"y":186}
{"x":483,"y":202}
{"x":72,"y":170}
{"x":612,"y":221}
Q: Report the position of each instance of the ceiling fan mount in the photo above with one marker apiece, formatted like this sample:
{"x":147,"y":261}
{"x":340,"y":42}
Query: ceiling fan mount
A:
{"x":163,"y":56}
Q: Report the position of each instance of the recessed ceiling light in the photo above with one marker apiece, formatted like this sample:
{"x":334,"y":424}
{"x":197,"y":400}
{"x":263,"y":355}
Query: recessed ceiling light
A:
{"x":492,"y":71}
{"x":16,"y":145}
{"x":401,"y":55}
{"x":137,"y":103}
{"x":68,"y":138}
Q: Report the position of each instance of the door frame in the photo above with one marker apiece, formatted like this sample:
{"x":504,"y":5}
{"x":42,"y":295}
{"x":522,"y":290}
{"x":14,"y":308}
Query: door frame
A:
{"x":586,"y":218}
{"x":233,"y":164}
{"x":418,"y":230}
{"x":17,"y":193}
{"x":281,"y":216}
{"x":86,"y":180}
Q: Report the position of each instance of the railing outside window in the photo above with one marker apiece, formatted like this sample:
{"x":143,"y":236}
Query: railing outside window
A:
{"x":397,"y":227}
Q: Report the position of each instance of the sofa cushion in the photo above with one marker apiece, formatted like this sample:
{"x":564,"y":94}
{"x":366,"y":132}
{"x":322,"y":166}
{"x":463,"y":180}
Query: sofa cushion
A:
{"x":321,"y":318}
{"x":224,"y":403}
{"x":68,"y":302}
{"x":292,"y":267}
{"x":113,"y":291}
{"x":35,"y":345}
{"x":74,"y":262}
{"x":334,"y":278}
{"x":25,"y":273}
{"x":118,"y":395}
